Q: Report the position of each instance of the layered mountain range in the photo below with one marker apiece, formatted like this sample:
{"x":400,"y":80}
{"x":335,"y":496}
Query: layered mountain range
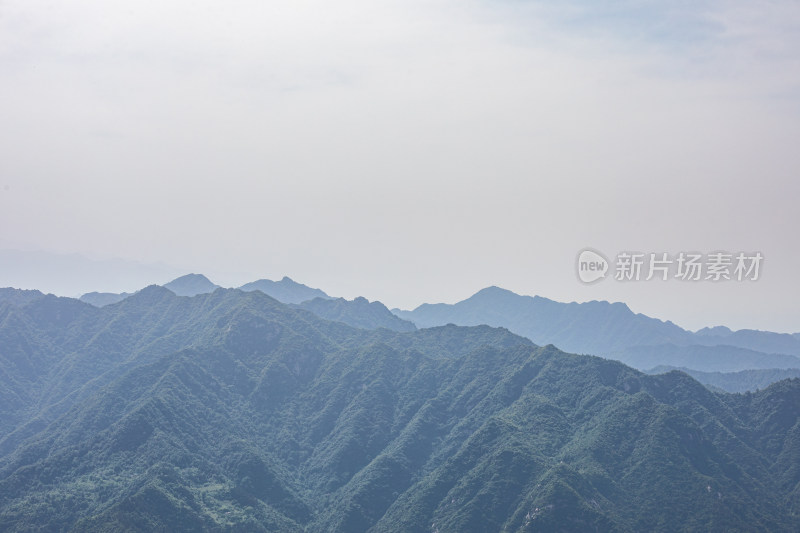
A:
{"x":599,"y":328}
{"x":232,"y":411}
{"x":286,"y":290}
{"x":612,"y":330}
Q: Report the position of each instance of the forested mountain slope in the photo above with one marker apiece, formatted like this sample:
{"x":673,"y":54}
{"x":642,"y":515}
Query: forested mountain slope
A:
{"x":230,"y":411}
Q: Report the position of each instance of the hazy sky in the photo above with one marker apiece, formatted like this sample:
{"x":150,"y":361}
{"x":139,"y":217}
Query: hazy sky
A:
{"x":409,"y":151}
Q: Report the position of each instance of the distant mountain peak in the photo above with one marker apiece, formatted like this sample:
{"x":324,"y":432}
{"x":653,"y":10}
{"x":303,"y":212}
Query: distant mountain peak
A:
{"x":492,"y":294}
{"x":597,"y":327}
{"x":191,"y":285}
{"x":193,"y":276}
{"x":286,"y":290}
{"x":716,"y":331}
{"x":102,"y":299}
{"x":493,"y":289}
{"x":150,"y":294}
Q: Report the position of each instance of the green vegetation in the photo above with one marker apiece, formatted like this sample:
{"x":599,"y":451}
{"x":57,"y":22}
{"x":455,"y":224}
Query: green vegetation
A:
{"x":359,"y":313}
{"x":230,"y":411}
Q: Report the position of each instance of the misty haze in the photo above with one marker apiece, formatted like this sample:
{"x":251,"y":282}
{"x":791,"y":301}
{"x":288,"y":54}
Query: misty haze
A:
{"x":399,"y":266}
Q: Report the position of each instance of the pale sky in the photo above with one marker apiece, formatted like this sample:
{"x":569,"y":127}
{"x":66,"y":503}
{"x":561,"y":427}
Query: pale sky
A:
{"x":407,"y":151}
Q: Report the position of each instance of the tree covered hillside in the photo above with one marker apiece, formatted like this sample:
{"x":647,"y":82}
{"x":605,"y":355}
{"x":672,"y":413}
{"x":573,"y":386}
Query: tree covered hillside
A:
{"x":230,"y":411}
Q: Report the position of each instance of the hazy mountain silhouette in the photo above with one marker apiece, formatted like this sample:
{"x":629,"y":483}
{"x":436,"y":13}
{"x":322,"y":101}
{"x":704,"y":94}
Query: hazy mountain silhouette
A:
{"x":594,"y":327}
{"x":762,"y":341}
{"x":613,"y":330}
{"x":704,"y":358}
{"x":742,"y":381}
{"x":100,"y":299}
{"x":191,"y":285}
{"x":286,"y":290}
{"x":358,"y":313}
{"x":188,"y":285}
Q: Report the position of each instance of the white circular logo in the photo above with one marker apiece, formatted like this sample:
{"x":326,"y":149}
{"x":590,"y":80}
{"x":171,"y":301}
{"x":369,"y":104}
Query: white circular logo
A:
{"x":592,"y":266}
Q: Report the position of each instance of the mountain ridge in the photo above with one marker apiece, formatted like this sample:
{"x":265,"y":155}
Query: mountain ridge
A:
{"x":286,"y":290}
{"x":358,"y":312}
{"x":230,"y":411}
{"x":601,"y":328}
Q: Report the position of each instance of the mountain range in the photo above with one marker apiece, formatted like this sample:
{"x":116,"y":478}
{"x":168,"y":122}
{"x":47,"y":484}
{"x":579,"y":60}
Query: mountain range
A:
{"x":286,"y":290}
{"x":613,"y":330}
{"x":231,"y":411}
{"x":359,"y":313}
{"x":742,"y":381}
{"x":600,"y":328}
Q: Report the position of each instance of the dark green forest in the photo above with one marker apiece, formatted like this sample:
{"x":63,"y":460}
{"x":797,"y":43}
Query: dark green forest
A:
{"x":231,"y":411}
